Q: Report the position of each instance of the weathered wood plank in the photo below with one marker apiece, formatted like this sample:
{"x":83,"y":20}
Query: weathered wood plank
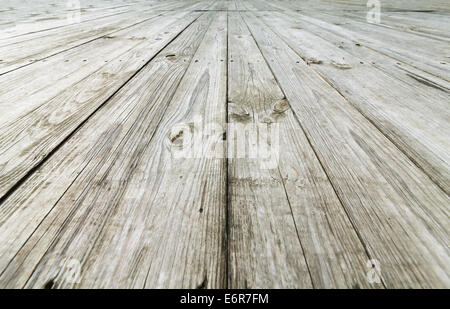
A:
{"x":91,"y":134}
{"x":86,"y":175}
{"x":183,"y":242}
{"x":265,"y":247}
{"x":428,"y":24}
{"x":402,"y":71}
{"x":31,"y":137}
{"x":424,"y":53}
{"x":33,"y":17}
{"x":70,"y":67}
{"x":395,"y":107}
{"x":21,"y":51}
{"x":399,"y":213}
{"x":46,"y":21}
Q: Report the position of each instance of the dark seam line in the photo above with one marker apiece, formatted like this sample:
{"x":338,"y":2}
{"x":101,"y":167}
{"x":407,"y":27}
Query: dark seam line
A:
{"x":279,"y":172}
{"x":227,"y":186}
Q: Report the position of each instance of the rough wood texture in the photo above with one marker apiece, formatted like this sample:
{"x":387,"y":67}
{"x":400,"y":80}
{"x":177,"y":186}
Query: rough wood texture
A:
{"x":397,"y":210}
{"x":97,"y":118}
{"x":137,"y":120}
{"x":396,"y":108}
{"x":308,"y":220}
{"x":43,"y":119}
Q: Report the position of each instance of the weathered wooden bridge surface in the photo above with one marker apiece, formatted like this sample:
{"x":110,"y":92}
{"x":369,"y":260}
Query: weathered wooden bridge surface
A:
{"x":97,"y":98}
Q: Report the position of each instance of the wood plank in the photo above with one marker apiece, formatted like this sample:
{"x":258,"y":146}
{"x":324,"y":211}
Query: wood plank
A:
{"x":34,"y":18}
{"x":123,"y":130}
{"x":396,"y":108}
{"x":30,"y":138}
{"x":433,"y":23}
{"x":47,"y":21}
{"x":73,"y":29}
{"x":402,"y":71}
{"x":92,"y":167}
{"x":400,"y":215}
{"x":428,"y":24}
{"x":424,"y":53}
{"x":265,"y":247}
{"x":24,"y":50}
{"x":51,"y":17}
{"x":418,"y":20}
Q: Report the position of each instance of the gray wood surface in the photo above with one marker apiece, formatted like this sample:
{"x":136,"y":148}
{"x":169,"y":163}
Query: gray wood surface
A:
{"x":133,"y":144}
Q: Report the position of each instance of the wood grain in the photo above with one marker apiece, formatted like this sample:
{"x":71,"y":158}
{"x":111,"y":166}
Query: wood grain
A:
{"x":96,"y":168}
{"x":30,"y":138}
{"x":279,"y":216}
{"x":418,"y":129}
{"x":129,"y":144}
{"x":398,"y":212}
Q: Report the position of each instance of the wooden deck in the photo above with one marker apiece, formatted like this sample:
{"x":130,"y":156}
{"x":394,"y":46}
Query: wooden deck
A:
{"x":94,"y":105}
